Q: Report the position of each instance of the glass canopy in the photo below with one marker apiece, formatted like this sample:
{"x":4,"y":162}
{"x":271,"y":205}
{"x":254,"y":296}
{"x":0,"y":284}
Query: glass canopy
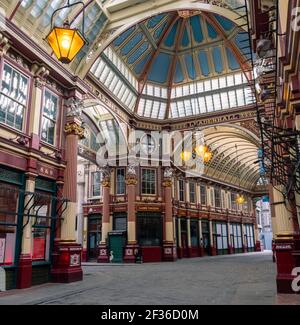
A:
{"x":176,"y":65}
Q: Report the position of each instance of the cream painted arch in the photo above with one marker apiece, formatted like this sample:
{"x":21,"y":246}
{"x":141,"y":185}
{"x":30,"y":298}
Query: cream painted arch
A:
{"x":115,"y":31}
{"x":96,"y":102}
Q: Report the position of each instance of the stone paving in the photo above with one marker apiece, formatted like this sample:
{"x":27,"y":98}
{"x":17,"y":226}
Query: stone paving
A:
{"x":237,"y":279}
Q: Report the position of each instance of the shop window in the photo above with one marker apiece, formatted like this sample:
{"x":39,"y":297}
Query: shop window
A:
{"x":50,"y":107}
{"x":194,"y":233}
{"x":217,"y":197}
{"x":148,"y":181}
{"x":120,"y":181}
{"x":13,"y":97}
{"x":236,"y":237}
{"x":220,"y":237}
{"x":120,"y":222}
{"x":41,"y":226}
{"x":181,"y":190}
{"x":203,"y":194}
{"x":192,"y":192}
{"x":233,"y":202}
{"x":96,"y":184}
{"x":249,"y":237}
{"x":9,"y":201}
{"x":149,"y":230}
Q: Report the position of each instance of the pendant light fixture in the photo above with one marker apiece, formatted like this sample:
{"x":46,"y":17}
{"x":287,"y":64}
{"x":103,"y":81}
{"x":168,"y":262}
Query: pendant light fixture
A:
{"x":240,"y":198}
{"x":66,"y":42}
{"x":199,"y":148}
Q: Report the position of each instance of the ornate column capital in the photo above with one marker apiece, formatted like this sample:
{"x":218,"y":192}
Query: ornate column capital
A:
{"x":168,"y":174}
{"x":105,"y":182}
{"x":131,"y":177}
{"x":4,"y":44}
{"x":40,"y":72}
{"x":74,"y":127}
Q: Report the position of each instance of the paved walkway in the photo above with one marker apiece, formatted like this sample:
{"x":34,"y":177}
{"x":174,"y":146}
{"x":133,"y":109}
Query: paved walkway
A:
{"x":236,"y":279}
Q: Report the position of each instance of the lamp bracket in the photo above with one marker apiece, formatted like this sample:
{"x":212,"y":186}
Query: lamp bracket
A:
{"x":69,"y":5}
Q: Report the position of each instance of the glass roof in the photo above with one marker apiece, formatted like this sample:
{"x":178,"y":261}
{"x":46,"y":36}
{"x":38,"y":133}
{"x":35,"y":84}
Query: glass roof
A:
{"x":177,"y":64}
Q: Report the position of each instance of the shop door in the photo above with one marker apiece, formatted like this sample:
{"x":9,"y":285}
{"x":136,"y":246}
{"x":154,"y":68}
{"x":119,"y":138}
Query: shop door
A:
{"x":116,"y":247}
{"x":184,"y":242}
{"x":206,"y":244}
{"x":94,"y":239}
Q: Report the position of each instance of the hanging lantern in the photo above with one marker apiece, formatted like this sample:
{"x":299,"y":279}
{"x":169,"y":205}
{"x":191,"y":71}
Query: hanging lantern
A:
{"x":201,"y":150}
{"x":207,"y":156}
{"x":66,"y":42}
{"x":185,"y":155}
{"x":240,"y":199}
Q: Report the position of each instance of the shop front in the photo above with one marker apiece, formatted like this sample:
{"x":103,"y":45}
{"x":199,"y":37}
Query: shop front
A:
{"x":149,"y":234}
{"x":94,"y":236}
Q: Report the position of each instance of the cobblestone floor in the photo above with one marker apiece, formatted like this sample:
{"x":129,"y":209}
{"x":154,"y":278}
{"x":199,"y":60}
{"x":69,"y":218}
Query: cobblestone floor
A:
{"x":236,"y":279}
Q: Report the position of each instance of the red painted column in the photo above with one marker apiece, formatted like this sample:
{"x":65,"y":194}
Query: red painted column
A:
{"x":132,"y":246}
{"x":24,"y":271}
{"x":169,"y":248}
{"x":103,"y":248}
{"x":66,"y":265}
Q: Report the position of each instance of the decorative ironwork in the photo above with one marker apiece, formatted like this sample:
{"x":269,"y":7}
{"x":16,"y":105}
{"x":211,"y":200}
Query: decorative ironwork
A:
{"x":280,"y":145}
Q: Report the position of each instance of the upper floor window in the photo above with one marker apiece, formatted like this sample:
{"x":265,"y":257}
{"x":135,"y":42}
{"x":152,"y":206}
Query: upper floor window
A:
{"x":96,"y":184}
{"x":192,"y":192}
{"x":13,"y":97}
{"x":120,"y":181}
{"x":217,"y":197}
{"x":233,"y":201}
{"x":203,"y":194}
{"x":50,"y":106}
{"x":148,"y":144}
{"x":148,"y":181}
{"x":181,"y":190}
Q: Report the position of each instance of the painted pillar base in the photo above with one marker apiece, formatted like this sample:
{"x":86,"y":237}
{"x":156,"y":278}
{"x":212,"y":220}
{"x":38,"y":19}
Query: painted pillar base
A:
{"x":213,"y":251}
{"x":169,"y":253}
{"x":201,"y":251}
{"x":245,"y":249}
{"x":130,"y":251}
{"x":66,"y":265}
{"x":84,"y":255}
{"x":230,"y":250}
{"x":258,"y":246}
{"x":24,"y":279}
{"x":285,"y":264}
{"x":179,"y":252}
{"x":103,"y":254}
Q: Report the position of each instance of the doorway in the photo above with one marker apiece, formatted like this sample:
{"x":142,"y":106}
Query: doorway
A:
{"x":94,"y":236}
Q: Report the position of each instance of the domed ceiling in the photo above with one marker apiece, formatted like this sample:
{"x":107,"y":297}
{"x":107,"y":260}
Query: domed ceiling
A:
{"x":168,"y":62}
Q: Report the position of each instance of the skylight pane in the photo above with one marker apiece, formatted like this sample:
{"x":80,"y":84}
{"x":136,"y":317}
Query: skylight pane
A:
{"x":224,"y":99}
{"x":209,"y":103}
{"x":238,"y":79}
{"x":188,"y":107}
{"x":230,"y":81}
{"x":240,"y":97}
{"x":141,"y":107}
{"x":217,"y":102}
{"x":222,"y":82}
{"x":202,"y":105}
{"x":162,"y":111}
{"x":232,"y":99}
{"x":207,"y":85}
{"x":215,"y":84}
